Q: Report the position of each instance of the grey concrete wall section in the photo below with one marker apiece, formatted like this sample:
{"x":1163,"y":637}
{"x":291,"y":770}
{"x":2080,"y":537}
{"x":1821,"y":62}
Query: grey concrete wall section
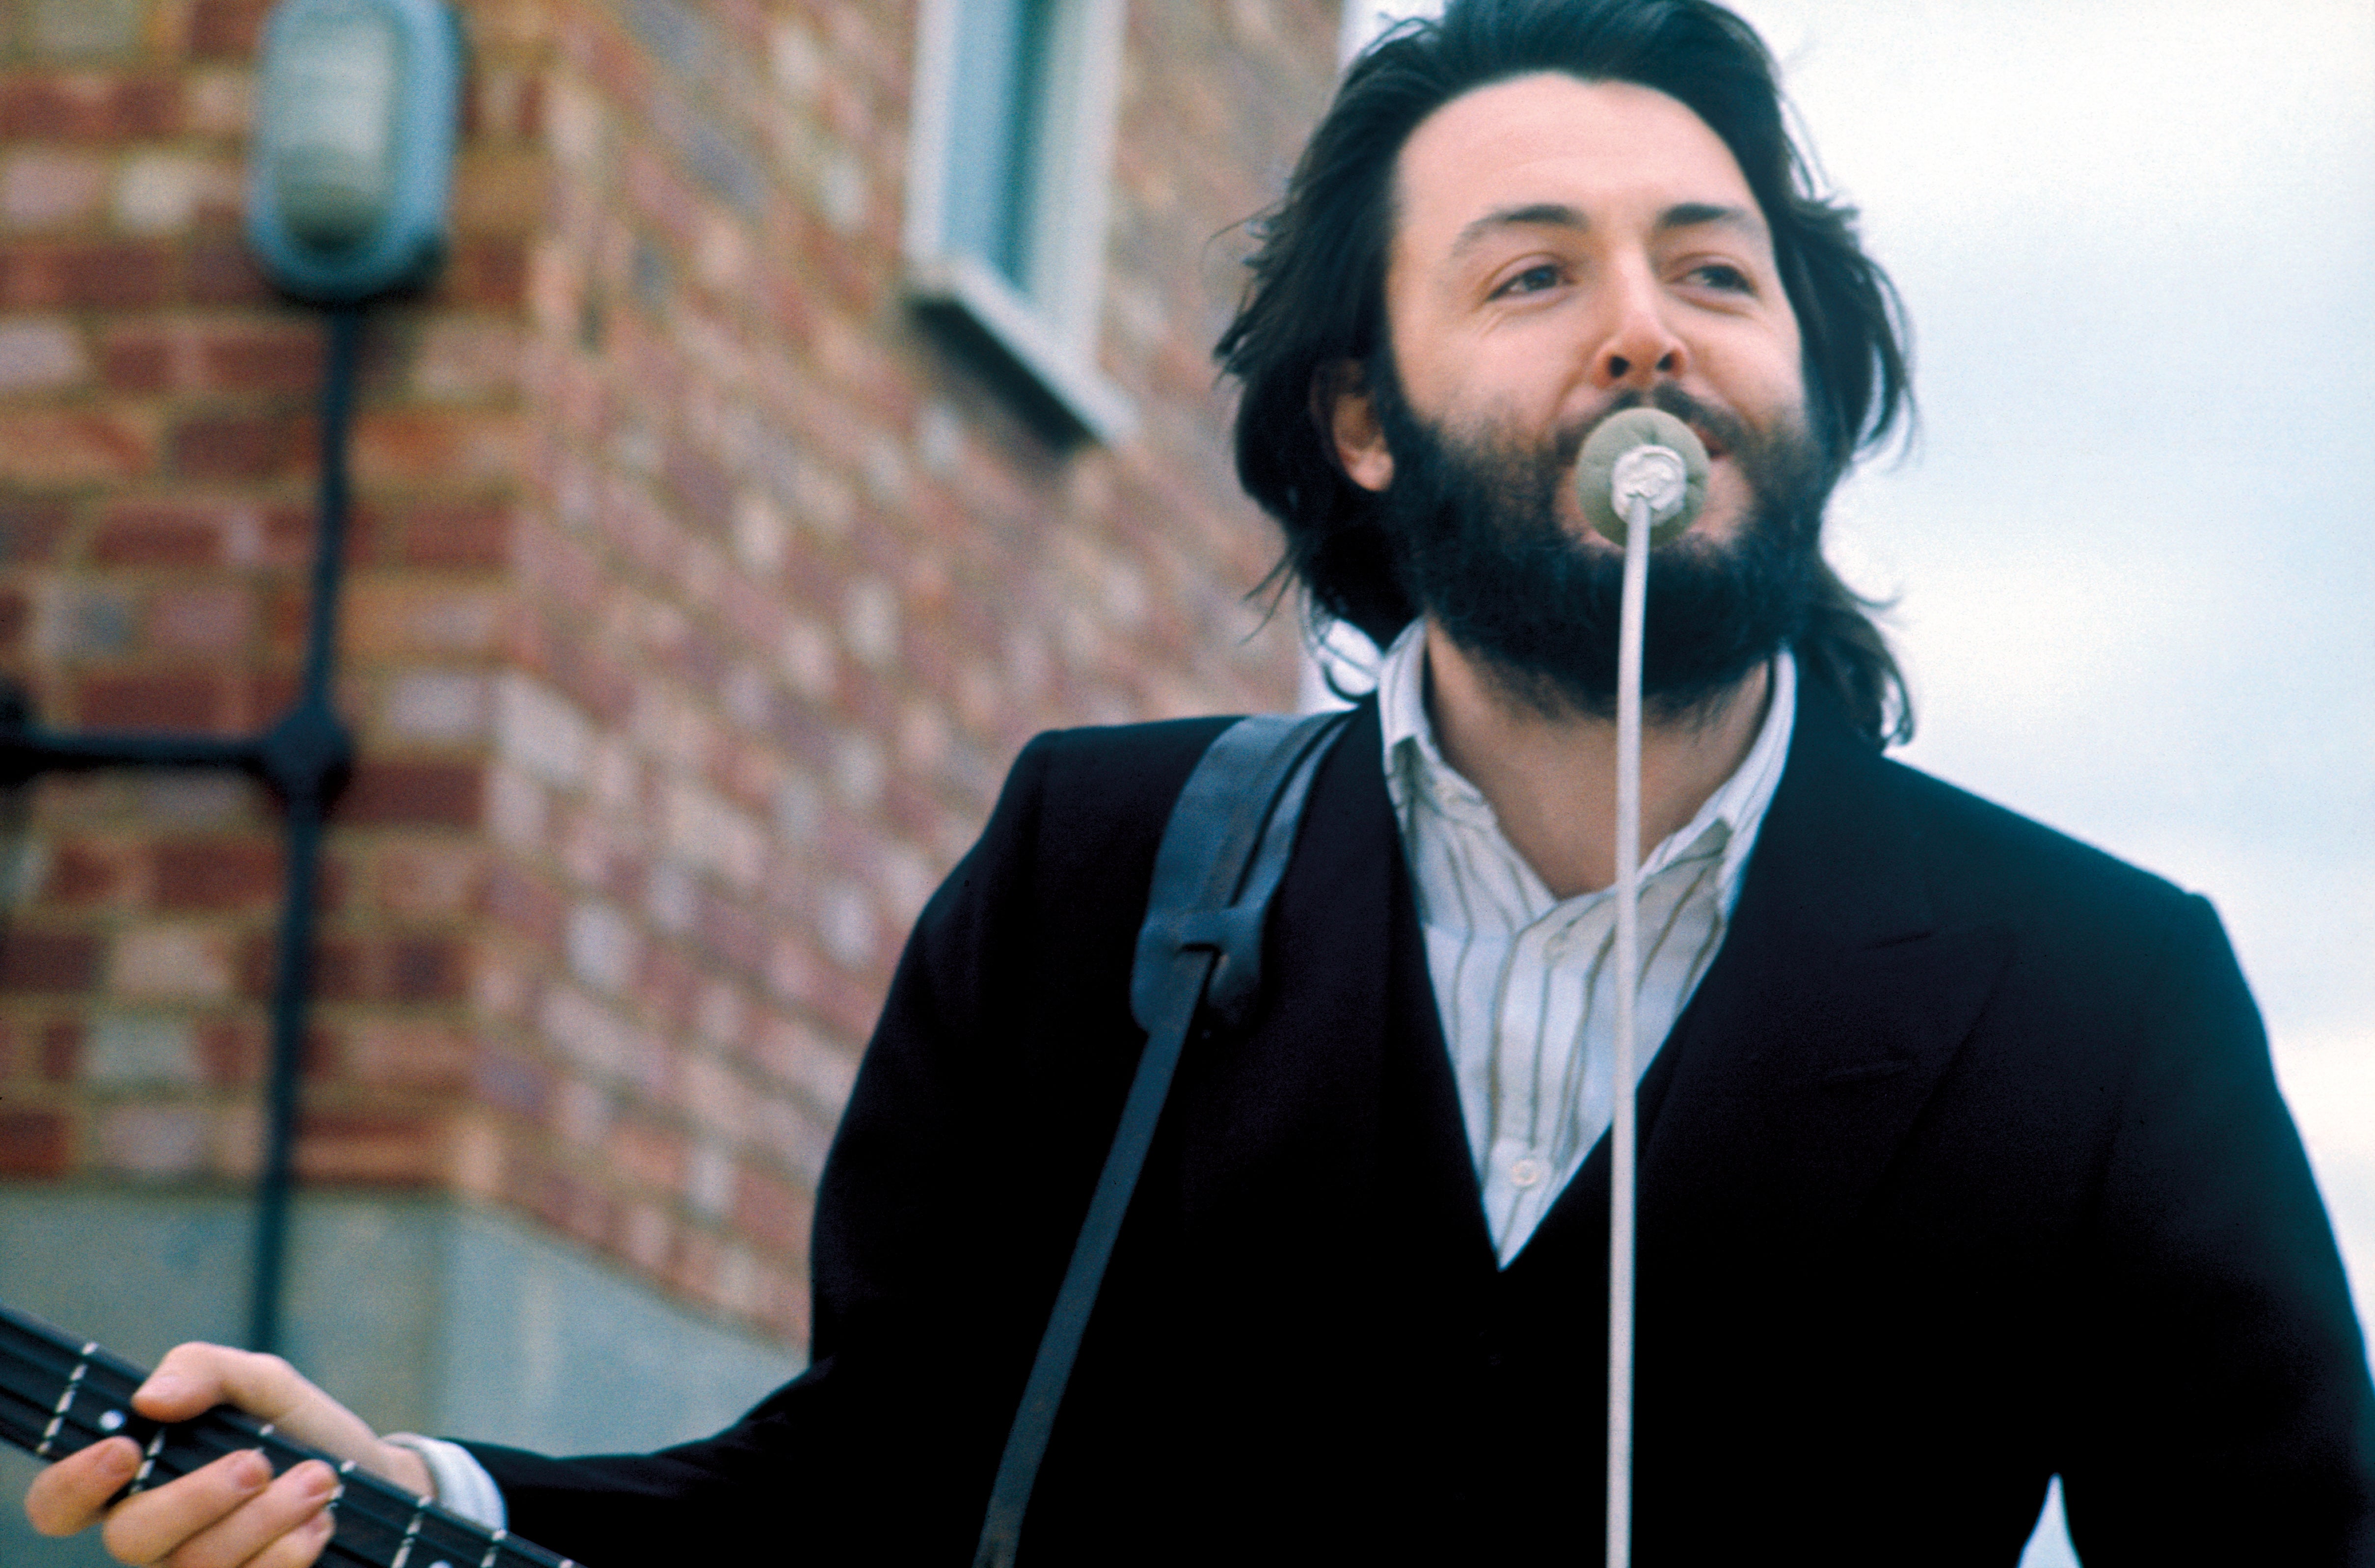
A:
{"x":421,"y":1314}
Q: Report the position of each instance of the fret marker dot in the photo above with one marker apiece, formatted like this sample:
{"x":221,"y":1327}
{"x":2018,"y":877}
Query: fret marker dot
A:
{"x":112,"y":1422}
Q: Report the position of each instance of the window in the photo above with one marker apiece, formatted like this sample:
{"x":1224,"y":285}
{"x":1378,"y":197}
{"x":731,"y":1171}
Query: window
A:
{"x":1013,"y":141}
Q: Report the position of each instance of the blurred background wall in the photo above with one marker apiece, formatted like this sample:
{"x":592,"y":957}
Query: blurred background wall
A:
{"x":712,"y":556}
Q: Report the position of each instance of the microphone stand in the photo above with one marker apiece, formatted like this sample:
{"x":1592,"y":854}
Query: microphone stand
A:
{"x":1623,"y":1130}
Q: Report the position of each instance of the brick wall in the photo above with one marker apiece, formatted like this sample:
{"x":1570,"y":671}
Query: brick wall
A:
{"x":697,"y":599}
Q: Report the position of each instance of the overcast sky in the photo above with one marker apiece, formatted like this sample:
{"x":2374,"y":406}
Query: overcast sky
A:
{"x":2133,"y":550}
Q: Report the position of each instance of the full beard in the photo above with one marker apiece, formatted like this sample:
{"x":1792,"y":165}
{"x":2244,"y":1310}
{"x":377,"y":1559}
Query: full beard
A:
{"x":1484,"y":548}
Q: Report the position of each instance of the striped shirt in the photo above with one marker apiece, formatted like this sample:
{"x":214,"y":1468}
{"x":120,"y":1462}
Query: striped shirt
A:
{"x":1521,"y":979}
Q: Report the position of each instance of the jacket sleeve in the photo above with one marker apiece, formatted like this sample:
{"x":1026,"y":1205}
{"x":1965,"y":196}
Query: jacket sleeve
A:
{"x":2226,"y":1416}
{"x":958,"y":1173}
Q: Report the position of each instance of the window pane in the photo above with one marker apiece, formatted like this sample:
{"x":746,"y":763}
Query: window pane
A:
{"x":999,"y":96}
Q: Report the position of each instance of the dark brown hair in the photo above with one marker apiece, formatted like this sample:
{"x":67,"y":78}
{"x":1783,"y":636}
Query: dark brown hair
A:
{"x":1317,"y":295}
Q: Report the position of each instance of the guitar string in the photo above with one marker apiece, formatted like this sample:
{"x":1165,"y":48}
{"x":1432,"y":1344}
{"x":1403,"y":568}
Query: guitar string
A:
{"x":106,"y":1385}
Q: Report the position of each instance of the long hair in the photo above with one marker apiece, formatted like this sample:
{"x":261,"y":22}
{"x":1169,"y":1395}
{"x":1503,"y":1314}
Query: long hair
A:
{"x":1316,"y":297}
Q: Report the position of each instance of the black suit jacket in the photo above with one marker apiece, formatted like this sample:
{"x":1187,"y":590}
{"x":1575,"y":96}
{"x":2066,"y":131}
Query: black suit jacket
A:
{"x":1965,"y":1166}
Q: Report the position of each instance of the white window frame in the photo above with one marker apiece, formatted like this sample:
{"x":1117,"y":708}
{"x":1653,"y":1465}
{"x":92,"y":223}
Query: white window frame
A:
{"x":1047,"y":333}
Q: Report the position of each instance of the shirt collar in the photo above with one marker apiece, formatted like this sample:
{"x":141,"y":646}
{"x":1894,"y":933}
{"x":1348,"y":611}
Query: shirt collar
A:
{"x":1415,"y":762}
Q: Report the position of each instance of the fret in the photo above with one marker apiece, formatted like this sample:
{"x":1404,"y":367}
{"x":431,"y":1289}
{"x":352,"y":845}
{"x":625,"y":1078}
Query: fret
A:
{"x":58,"y":1396}
{"x":65,"y":1400}
{"x":148,"y":1459}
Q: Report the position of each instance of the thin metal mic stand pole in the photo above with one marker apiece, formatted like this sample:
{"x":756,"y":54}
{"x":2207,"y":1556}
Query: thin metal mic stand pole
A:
{"x":1622,"y":1162}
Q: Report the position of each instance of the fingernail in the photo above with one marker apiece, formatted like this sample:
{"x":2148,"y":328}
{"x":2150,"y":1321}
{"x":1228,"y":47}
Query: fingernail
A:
{"x":123,"y":1456}
{"x":166,"y":1387}
{"x":252,"y":1470}
{"x":319,"y":1478}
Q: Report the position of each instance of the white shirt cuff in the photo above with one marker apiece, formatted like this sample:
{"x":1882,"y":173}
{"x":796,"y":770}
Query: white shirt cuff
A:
{"x":460,"y":1483}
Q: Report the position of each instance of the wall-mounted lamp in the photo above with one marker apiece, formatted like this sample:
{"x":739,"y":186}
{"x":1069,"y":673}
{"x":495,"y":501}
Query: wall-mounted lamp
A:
{"x":353,"y":155}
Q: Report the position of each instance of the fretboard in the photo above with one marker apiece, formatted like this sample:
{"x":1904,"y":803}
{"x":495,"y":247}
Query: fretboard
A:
{"x":59,"y":1394}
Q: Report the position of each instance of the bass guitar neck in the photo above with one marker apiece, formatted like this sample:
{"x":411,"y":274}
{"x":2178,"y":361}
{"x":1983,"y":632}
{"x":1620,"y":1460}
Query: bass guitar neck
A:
{"x":59,"y":1393}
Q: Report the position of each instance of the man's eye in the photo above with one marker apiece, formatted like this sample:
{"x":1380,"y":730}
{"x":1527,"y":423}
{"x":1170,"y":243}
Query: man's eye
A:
{"x":1532,"y":281}
{"x":1721,"y":275}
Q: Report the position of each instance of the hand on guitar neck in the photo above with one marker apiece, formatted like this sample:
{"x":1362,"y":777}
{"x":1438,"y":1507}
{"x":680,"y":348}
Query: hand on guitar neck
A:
{"x":229,"y":1513}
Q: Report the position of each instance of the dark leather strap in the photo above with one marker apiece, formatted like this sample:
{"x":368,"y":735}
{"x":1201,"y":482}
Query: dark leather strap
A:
{"x":1224,"y":851}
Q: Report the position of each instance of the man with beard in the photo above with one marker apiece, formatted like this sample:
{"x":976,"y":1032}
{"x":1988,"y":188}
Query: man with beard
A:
{"x":1962,"y":1162}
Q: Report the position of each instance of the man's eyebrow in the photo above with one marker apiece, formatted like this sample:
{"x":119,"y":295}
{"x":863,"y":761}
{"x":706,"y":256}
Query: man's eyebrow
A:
{"x":1533,"y":215}
{"x":1558,"y":215}
{"x":1696,"y":215}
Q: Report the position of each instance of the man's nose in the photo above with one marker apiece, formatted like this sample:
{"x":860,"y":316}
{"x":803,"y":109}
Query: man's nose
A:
{"x":1637,"y":346}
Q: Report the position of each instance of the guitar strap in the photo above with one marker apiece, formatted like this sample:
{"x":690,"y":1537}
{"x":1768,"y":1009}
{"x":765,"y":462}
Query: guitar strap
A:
{"x":1224,"y":851}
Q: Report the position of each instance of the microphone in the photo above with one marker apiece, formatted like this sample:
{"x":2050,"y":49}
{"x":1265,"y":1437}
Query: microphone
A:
{"x":1638,"y":456}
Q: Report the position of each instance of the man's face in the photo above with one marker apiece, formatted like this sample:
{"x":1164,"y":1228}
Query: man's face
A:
{"x":1562,"y":248}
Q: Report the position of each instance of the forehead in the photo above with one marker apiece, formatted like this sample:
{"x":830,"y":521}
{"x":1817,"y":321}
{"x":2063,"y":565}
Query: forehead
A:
{"x":1606,"y":149}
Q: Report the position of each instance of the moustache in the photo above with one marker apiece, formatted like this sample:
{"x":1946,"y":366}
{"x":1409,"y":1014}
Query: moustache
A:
{"x":1718,"y":430}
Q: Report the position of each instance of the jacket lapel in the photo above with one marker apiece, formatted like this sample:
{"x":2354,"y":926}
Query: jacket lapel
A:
{"x":1825,"y":1021}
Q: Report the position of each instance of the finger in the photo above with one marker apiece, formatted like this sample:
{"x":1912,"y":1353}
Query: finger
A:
{"x":300,"y":1547}
{"x":147,"y":1527}
{"x":71,"y":1494}
{"x":195,"y":1377}
{"x":262,"y":1523}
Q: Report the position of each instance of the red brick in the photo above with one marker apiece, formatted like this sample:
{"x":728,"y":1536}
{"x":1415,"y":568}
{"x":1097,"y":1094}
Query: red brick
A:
{"x":34,"y":1143}
{"x":228,"y":447}
{"x":703,"y":486}
{"x":160,"y":532}
{"x":518,"y":901}
{"x":232,"y":1051}
{"x":513,"y":1083}
{"x":83,"y":873}
{"x":224,"y":271}
{"x":650,"y":1155}
{"x":267,"y":694}
{"x":772,"y":1212}
{"x":430,"y":1057}
{"x":338,"y":970}
{"x":214,"y":618}
{"x":30,"y":527}
{"x":61,"y":1051}
{"x":489,"y":271}
{"x":564,"y":1200}
{"x":385,"y":794}
{"x":139,"y":359}
{"x":217,"y":874}
{"x":226,"y":29}
{"x":152,"y":700}
{"x":461,"y":535}
{"x":103,"y":275}
{"x":89,"y":106}
{"x":425,"y":969}
{"x":432,"y":881}
{"x":48,"y":960}
{"x":70,"y":446}
{"x":388,"y":1147}
{"x":262,"y":356}
{"x":433,"y":446}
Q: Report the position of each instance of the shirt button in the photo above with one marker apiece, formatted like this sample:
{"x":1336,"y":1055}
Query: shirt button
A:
{"x":1528,"y":1172}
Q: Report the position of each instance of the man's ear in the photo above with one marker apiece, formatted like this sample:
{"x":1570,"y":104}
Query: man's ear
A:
{"x":1348,"y":412}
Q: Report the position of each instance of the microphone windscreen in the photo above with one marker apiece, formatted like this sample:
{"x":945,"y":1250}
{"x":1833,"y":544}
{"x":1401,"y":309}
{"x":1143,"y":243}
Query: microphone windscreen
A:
{"x":1597,"y":475}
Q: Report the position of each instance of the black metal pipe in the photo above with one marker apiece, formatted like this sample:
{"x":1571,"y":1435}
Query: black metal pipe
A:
{"x":304,"y":756}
